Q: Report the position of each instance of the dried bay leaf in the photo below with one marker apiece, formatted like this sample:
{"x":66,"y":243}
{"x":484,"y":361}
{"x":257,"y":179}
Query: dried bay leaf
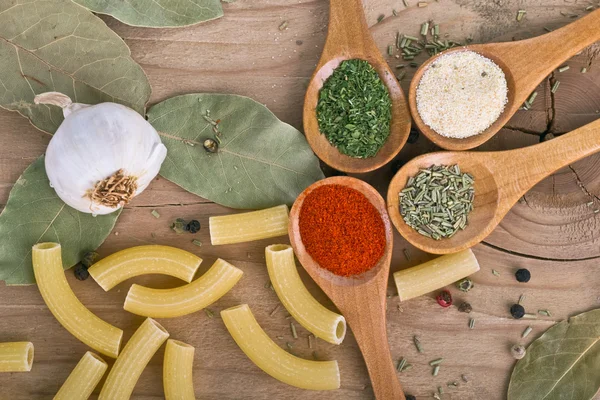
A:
{"x":157,"y":13}
{"x":564,"y":363}
{"x":261,"y":161}
{"x":35,"y":214}
{"x":57,"y":45}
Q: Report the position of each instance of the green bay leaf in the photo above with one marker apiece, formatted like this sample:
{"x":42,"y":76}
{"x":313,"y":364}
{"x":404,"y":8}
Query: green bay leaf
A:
{"x":157,"y":13}
{"x":564,"y":363}
{"x":261,"y":162}
{"x":57,"y":45}
{"x":35,"y":214}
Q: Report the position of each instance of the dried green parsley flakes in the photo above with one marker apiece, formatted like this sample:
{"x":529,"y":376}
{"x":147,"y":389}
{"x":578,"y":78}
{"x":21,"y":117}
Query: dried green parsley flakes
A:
{"x":354,"y":109}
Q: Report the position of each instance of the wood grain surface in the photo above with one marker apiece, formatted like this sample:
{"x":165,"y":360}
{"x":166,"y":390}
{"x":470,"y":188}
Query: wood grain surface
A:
{"x":551,"y":231}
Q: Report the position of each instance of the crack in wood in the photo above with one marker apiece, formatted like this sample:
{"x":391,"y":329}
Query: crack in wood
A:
{"x":582,"y":186}
{"x":530,"y":256}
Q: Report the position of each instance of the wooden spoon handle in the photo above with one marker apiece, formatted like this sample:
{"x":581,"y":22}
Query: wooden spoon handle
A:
{"x":366,"y":318}
{"x":532,"y":59}
{"x":517,"y":171}
{"x":348,"y":27}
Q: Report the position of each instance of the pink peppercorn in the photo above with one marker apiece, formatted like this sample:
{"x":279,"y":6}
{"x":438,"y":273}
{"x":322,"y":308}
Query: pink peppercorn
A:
{"x":444,"y":298}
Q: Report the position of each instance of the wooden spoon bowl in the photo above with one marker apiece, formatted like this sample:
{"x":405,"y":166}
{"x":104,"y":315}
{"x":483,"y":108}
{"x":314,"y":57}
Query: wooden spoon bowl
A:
{"x":362,"y":298}
{"x":500,"y":180}
{"x":348,"y":38}
{"x":525,"y":64}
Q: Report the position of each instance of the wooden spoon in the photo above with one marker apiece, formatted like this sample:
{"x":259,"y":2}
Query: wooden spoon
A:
{"x":360,"y":298}
{"x":348,"y":38}
{"x":501,"y":179}
{"x":525,"y":63}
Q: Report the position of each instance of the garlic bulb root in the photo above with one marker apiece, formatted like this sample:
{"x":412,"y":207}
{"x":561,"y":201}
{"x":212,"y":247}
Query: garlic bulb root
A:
{"x":114,"y":191}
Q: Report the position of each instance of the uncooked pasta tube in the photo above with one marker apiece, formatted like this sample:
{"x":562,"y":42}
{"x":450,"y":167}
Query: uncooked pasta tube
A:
{"x":133,"y":359}
{"x":294,"y":296}
{"x":249,"y":226}
{"x":434,"y":274}
{"x":142,"y":260}
{"x":281,"y":365}
{"x":64,"y":305}
{"x":186,"y":299}
{"x":83,"y":379}
{"x":177,"y":371}
{"x":16,"y":356}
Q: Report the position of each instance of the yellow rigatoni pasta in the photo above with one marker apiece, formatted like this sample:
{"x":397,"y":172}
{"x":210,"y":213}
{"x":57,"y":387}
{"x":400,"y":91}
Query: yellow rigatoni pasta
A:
{"x":294,"y":296}
{"x":434,"y":274}
{"x":281,"y":365}
{"x":83,"y":379}
{"x":177,"y":371}
{"x":142,"y":260}
{"x":133,"y":359}
{"x":186,"y":299}
{"x":64,"y":305}
{"x":16,"y":356}
{"x":249,"y":226}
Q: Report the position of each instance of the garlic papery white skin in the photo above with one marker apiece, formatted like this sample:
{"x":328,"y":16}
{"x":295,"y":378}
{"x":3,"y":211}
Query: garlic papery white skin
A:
{"x":102,"y":155}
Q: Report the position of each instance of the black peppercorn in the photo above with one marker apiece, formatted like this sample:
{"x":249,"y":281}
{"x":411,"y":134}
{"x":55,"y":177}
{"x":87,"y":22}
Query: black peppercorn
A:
{"x":193,"y":226}
{"x":517,"y":311}
{"x":81,"y":272}
{"x":523,"y":275}
{"x":410,"y":397}
{"x":396,"y":165}
{"x":211,"y":145}
{"x":413,"y":136}
{"x":465,"y":307}
{"x":89,"y":259}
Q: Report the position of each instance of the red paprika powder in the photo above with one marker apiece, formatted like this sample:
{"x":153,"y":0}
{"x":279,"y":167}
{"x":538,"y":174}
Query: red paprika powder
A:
{"x":341,"y":230}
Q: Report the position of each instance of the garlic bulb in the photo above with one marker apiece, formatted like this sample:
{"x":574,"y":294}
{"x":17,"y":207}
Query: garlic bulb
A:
{"x":101,"y":156}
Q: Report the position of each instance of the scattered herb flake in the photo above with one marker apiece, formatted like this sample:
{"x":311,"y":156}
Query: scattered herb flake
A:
{"x":418,"y":344}
{"x":155,"y":214}
{"x":436,"y":361}
{"x":422,"y":4}
{"x":209,"y":313}
{"x":555,"y":86}
{"x":436,"y":370}
{"x":545,"y":313}
{"x":471,"y":323}
{"x":293,"y":328}
{"x":196,"y":242}
{"x":380,"y":18}
{"x":521,"y":14}
{"x":496,"y":273}
{"x":274,"y":310}
{"x":563,"y":68}
{"x":283,"y":26}
{"x":526,"y":332}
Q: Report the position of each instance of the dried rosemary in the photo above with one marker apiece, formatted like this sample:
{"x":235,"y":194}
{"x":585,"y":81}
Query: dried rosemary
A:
{"x":437,"y":201}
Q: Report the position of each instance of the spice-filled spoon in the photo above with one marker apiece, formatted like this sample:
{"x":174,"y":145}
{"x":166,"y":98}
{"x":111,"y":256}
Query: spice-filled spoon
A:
{"x":500,"y":180}
{"x":525,"y":64}
{"x":349,"y":38}
{"x":361,"y":298}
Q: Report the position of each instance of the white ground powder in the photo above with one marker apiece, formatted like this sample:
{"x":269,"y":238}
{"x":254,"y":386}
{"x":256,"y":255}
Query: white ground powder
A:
{"x":461,"y":94}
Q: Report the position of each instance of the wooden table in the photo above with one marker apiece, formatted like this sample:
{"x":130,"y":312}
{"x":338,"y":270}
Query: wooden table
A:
{"x":552,"y":231}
